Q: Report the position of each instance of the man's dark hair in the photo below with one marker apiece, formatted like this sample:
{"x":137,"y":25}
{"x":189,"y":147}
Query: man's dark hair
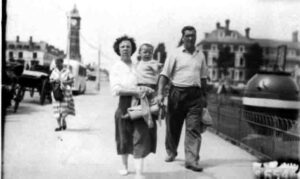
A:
{"x":185,"y":28}
{"x":121,"y":39}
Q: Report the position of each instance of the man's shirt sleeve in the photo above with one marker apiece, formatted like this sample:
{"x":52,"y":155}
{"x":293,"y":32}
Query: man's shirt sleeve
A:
{"x":168,"y":67}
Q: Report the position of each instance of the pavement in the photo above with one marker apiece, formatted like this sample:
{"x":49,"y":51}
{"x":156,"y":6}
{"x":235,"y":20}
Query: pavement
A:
{"x":87,"y":148}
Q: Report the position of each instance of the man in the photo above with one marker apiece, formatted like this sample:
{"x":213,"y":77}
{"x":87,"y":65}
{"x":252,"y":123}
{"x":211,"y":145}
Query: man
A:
{"x":187,"y":71}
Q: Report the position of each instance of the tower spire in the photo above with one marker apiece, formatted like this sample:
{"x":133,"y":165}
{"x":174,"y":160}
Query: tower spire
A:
{"x":74,"y":34}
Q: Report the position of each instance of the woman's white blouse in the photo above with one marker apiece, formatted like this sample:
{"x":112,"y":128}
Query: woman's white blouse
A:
{"x":122,"y":76}
{"x":62,"y":76}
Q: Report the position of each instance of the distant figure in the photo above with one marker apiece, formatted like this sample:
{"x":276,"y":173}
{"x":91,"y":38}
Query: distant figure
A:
{"x":132,"y":137}
{"x":187,"y":71}
{"x":62,"y":77}
{"x":147,"y":75}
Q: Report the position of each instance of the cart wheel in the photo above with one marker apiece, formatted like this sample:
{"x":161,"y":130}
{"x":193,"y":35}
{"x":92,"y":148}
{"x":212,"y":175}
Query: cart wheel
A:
{"x":43,"y":91}
{"x":19,"y":95}
{"x":31,"y":92}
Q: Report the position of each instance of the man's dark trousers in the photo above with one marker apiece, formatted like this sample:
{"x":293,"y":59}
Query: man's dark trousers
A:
{"x":185,"y":103}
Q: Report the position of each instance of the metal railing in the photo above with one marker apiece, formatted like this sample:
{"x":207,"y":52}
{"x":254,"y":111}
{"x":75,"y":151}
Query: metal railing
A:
{"x":270,"y":136}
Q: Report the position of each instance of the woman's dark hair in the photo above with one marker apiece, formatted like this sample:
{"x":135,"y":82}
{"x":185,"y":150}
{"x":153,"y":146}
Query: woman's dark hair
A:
{"x":59,"y":59}
{"x":183,"y":31}
{"x":123,"y":38}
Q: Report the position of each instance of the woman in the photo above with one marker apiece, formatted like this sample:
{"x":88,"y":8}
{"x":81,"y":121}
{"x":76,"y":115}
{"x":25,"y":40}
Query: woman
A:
{"x":132,"y":137}
{"x":63,"y":77}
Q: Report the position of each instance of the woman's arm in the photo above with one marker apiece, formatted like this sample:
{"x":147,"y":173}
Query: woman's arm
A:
{"x":135,"y":91}
{"x":129,"y":92}
{"x":68,"y":82}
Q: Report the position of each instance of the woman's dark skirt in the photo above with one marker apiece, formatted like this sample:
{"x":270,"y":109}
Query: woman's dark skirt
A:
{"x":133,"y":137}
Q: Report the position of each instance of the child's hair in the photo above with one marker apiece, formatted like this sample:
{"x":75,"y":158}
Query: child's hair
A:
{"x":144,"y":44}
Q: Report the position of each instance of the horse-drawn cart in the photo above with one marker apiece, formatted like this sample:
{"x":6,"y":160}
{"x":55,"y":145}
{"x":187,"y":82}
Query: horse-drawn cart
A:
{"x":36,"y":81}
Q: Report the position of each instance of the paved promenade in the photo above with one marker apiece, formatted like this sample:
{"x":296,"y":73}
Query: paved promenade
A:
{"x":87,"y":148}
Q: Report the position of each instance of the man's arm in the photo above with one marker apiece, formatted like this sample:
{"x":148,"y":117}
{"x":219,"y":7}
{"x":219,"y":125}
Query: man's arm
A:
{"x":204,"y":90}
{"x":162,"y":82}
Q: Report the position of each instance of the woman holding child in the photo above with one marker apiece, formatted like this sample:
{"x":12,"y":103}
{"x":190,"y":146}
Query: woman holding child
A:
{"x":132,"y":136}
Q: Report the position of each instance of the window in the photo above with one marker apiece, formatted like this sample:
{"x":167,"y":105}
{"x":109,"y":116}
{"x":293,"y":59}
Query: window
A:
{"x":298,"y":52}
{"x":242,"y":61}
{"x":241,"y":48}
{"x":266,"y":50}
{"x":19,"y":46}
{"x":11,"y":54}
{"x":37,"y":47}
{"x":292,"y":52}
{"x":233,"y":35}
{"x":20,"y":55}
{"x":214,"y":47}
{"x":222,"y":34}
{"x":34,"y":55}
{"x":214,"y":61}
{"x":231,"y":48}
{"x":11,"y":46}
{"x":236,"y":75}
{"x":210,"y":72}
{"x":82,"y":71}
{"x":241,"y":75}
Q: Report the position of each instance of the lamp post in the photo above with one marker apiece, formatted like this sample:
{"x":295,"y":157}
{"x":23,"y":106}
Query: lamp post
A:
{"x":98,"y":69}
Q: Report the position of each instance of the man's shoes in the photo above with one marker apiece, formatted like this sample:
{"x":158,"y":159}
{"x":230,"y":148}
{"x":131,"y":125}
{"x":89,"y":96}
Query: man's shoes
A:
{"x":194,"y":167}
{"x":58,"y":129}
{"x":170,"y":158}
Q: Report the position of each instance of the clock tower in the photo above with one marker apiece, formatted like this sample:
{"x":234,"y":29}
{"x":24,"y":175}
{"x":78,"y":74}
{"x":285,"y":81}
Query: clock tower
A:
{"x":74,"y":35}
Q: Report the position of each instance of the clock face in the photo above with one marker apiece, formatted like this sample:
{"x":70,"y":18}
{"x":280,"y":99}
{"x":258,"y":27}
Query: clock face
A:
{"x":73,"y":22}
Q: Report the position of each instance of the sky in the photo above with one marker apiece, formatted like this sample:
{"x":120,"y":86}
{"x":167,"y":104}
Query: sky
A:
{"x":154,"y":21}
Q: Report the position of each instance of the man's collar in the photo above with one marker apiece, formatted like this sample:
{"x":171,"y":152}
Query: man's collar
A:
{"x":182,"y":49}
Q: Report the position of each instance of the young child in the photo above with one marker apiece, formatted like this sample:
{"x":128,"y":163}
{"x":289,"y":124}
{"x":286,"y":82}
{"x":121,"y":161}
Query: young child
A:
{"x":147,"y":75}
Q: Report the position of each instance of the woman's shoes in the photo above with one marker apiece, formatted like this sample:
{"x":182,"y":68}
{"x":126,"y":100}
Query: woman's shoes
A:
{"x":64,"y":127}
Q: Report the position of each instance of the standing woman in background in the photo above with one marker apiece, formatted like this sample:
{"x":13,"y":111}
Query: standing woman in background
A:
{"x":62,"y":78}
{"x":132,"y":137}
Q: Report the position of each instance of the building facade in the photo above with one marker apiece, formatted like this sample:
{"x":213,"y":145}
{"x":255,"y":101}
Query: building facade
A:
{"x":32,"y":52}
{"x":74,"y":35}
{"x":239,"y":44}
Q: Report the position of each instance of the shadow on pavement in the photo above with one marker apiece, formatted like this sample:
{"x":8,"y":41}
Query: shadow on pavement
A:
{"x":91,"y":93}
{"x":215,"y":162}
{"x":178,"y":175}
{"x":81,"y":130}
{"x":22,"y":109}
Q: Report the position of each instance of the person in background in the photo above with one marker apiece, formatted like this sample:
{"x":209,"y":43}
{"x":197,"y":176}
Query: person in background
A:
{"x":187,"y":71}
{"x":63,"y":77}
{"x":132,"y":136}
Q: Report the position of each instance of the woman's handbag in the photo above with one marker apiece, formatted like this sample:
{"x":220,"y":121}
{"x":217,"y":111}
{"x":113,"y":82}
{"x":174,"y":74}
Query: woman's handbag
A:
{"x":206,"y":117}
{"x":57,"y":92}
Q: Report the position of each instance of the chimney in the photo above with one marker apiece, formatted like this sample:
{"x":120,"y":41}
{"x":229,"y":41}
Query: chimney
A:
{"x":18,"y":39}
{"x":218,"y":25}
{"x":227,"y":24}
{"x":247,"y":32}
{"x":206,"y":35}
{"x":30,"y":39}
{"x":295,"y":36}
